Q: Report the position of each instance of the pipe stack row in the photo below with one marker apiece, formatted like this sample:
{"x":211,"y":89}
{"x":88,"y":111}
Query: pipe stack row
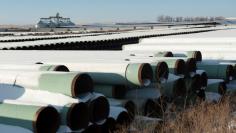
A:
{"x":49,"y":98}
{"x":134,"y":83}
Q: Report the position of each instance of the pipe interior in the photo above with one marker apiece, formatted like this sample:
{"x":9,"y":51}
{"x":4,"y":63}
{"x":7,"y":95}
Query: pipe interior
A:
{"x":201,"y":95}
{"x":78,"y":116}
{"x":180,"y":67}
{"x":47,"y":120}
{"x":123,"y":119}
{"x":162,"y":70}
{"x":196,"y":83}
{"x":109,"y":126}
{"x":179,"y":88}
{"x":149,"y":108}
{"x":61,"y":68}
{"x":168,"y":54}
{"x":191,"y":65}
{"x":146,"y":74}
{"x":155,"y":108}
{"x":229,"y":73}
{"x":204,"y":79}
{"x":131,"y":108}
{"x":83,"y":83}
{"x":197,"y":55}
{"x":99,"y":109}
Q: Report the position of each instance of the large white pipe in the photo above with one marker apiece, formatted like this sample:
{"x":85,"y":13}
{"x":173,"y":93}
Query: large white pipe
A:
{"x":34,"y":67}
{"x":68,"y":83}
{"x":115,"y":73}
{"x":32,"y":57}
{"x":8,"y":91}
{"x":98,"y":108}
{"x":219,"y":55}
{"x":215,"y":70}
{"x":185,"y":40}
{"x":69,"y":108}
{"x":179,"y":47}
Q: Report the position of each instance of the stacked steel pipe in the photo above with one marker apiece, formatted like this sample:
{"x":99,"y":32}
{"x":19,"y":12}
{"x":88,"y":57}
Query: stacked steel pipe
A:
{"x":99,"y":91}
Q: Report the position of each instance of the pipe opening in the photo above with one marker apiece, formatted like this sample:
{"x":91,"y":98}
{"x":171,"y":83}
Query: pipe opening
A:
{"x":204,"y":79}
{"x":197,"y":55}
{"x":229,"y":73}
{"x":196,"y":83}
{"x":93,"y":129}
{"x":149,"y":108}
{"x":179,"y":67}
{"x":99,"y":109}
{"x":191,"y":65}
{"x":61,"y":68}
{"x":155,"y":108}
{"x":162,"y":71}
{"x":47,"y":120}
{"x":234,"y":71}
{"x":222,"y":88}
{"x":38,"y":63}
{"x":109,"y":126}
{"x":131,"y":108}
{"x":123,"y":119}
{"x":78,"y":116}
{"x":168,"y":54}
{"x":201,"y":95}
{"x":179,"y":88}
{"x":145,"y":74}
{"x":83,"y":83}
{"x":119,"y":91}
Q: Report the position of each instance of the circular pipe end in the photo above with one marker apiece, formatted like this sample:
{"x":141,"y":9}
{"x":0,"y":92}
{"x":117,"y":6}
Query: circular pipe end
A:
{"x":201,"y":95}
{"x":145,"y":74}
{"x":222,"y":88}
{"x":123,"y":119}
{"x":229,"y":73}
{"x":204,"y":79}
{"x":155,"y":108}
{"x":179,"y":88}
{"x":47,"y":120}
{"x":162,"y":71}
{"x":180,"y":67}
{"x":168,"y":54}
{"x":119,"y":91}
{"x":109,"y":126}
{"x":82,"y":83}
{"x":61,"y":68}
{"x":99,"y":109}
{"x":78,"y":116}
{"x":196,"y":83}
{"x":197,"y":55}
{"x":191,"y":65}
{"x":131,"y":108}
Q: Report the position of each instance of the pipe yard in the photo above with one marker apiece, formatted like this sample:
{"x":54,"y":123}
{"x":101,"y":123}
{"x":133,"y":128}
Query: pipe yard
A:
{"x":102,"y":82}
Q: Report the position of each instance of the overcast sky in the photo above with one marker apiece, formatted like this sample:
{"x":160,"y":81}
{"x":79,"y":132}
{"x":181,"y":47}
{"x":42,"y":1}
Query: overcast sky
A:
{"x":90,"y":11}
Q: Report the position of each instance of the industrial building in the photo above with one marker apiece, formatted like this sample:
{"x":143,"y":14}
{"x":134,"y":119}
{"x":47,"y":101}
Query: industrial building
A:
{"x":55,"y":22}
